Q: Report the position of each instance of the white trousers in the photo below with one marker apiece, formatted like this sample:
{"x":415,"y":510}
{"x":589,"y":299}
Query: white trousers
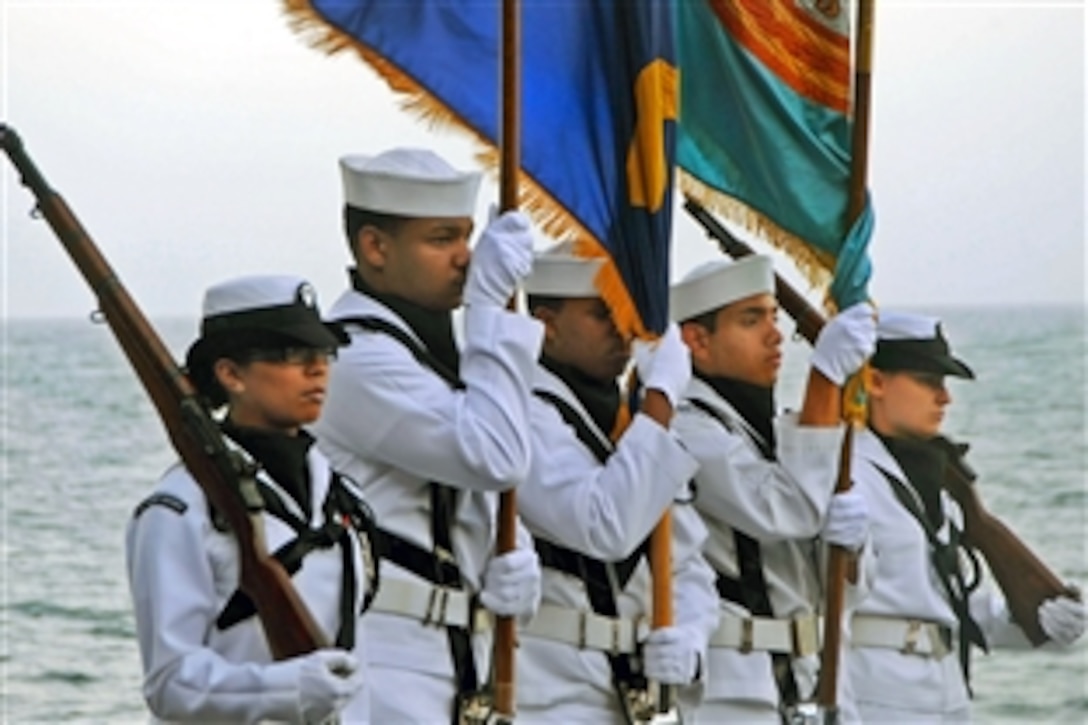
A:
{"x":884,"y":715}
{"x":713,"y":712}
{"x":403,"y":697}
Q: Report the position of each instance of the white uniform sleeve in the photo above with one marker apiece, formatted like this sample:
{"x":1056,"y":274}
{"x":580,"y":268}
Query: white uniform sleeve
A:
{"x":175,"y":606}
{"x":384,"y":406}
{"x":768,"y":500}
{"x":607,"y":510}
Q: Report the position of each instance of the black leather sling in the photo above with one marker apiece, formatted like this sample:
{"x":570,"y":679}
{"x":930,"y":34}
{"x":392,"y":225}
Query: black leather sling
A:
{"x":603,"y":580}
{"x":437,"y":566}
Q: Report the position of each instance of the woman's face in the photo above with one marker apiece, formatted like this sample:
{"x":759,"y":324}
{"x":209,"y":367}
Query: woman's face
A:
{"x":907,"y":404}
{"x":275,"y":389}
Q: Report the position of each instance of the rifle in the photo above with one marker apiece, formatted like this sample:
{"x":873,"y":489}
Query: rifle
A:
{"x":1023,"y":578}
{"x":227,"y":481}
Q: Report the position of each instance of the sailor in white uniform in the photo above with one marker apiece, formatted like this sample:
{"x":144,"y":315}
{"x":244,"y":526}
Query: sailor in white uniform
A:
{"x":765,"y":483}
{"x":432,"y":431}
{"x":911,"y":635}
{"x":591,"y":502}
{"x":263,"y":352}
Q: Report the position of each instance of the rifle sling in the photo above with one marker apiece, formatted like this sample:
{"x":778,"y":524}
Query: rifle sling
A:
{"x":943,"y":558}
{"x":602,"y":580}
{"x":443,"y":504}
{"x":750,"y":589}
{"x":291,"y":555}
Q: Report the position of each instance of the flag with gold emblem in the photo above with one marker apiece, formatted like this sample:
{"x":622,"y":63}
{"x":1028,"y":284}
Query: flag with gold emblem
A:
{"x":765,"y":136}
{"x":598,"y":114}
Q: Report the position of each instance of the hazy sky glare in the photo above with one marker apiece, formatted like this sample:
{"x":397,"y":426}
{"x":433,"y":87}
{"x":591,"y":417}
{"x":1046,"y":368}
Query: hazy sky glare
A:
{"x":198,"y":140}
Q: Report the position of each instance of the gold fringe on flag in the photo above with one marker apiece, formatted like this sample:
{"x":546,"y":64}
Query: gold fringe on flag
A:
{"x":554,"y":219}
{"x":816,"y":265}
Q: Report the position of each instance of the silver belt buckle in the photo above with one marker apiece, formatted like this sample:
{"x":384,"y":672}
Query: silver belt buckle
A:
{"x":914,"y":632}
{"x":477,"y":708}
{"x":802,"y":713}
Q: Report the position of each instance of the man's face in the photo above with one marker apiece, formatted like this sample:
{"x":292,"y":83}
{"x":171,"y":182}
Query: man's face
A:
{"x":424,"y":261}
{"x":581,"y":333}
{"x":907,"y":404}
{"x":745,"y":345}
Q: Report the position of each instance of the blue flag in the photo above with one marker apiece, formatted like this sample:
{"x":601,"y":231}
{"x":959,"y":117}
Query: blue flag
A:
{"x":598,"y":114}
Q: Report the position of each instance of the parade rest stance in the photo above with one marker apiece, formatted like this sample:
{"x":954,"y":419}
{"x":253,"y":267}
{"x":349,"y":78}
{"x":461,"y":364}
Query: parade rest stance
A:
{"x":417,"y":434}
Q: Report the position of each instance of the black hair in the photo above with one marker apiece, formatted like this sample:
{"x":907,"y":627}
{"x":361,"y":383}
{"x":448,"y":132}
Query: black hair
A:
{"x":707,"y":320}
{"x":355,"y":219}
{"x":234,"y":345}
{"x":555,"y":304}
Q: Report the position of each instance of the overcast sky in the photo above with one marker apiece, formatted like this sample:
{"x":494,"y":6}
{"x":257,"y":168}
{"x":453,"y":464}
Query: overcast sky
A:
{"x":198,"y":140}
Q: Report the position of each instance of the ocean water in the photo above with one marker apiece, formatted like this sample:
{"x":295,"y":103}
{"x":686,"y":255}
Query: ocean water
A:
{"x":82,"y":445}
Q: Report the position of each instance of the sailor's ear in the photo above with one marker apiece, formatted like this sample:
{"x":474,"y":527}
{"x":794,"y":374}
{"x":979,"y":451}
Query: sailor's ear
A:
{"x":697,"y":338}
{"x":546,"y":315}
{"x":372,"y":246}
{"x":228,"y":373}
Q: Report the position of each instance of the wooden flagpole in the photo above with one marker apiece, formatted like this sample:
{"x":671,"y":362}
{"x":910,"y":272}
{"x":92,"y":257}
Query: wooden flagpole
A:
{"x":510,"y":162}
{"x":827,"y":696}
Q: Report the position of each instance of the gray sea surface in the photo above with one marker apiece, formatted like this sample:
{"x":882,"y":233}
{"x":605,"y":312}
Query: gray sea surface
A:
{"x":82,"y":446}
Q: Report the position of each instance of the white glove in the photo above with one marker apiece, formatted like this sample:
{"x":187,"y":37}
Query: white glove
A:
{"x":512,"y":584}
{"x":847,"y":523}
{"x":845,"y":342}
{"x":502,"y":258}
{"x":1062,"y":619}
{"x":664,"y":364}
{"x":670,"y":657}
{"x":327,"y":680}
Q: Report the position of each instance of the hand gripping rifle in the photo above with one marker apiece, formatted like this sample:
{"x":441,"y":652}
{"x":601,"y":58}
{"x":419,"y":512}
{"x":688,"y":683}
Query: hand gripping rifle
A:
{"x":225,"y":479}
{"x":1023,"y":578}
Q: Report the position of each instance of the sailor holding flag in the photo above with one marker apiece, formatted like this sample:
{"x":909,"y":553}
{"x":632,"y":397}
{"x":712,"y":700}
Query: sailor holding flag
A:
{"x":430,"y":430}
{"x":596,"y":489}
{"x":765,"y":482}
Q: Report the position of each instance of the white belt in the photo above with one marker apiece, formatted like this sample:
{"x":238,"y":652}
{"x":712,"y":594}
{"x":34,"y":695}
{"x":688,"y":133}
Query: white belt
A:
{"x":587,"y":630}
{"x":429,"y":604}
{"x":798,"y":637}
{"x":909,"y":636}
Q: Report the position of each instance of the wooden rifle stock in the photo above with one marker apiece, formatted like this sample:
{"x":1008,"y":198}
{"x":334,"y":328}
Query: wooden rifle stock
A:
{"x":1024,"y":579}
{"x":224,"y":478}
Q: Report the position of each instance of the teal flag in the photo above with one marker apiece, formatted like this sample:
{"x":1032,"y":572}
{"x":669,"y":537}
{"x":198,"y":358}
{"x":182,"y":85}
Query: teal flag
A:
{"x":765,"y":128}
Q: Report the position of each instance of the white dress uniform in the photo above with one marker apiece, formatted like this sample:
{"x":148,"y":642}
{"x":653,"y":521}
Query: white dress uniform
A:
{"x":605,"y":512}
{"x":182,"y":573}
{"x":393,"y":425}
{"x":907,"y":608}
{"x":780,"y":504}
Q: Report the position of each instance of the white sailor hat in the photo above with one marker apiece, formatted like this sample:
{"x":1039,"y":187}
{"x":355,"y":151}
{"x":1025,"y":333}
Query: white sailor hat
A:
{"x":717,"y":283}
{"x":409,"y":183}
{"x":909,"y":341}
{"x":261,"y":310}
{"x":558,"y":272}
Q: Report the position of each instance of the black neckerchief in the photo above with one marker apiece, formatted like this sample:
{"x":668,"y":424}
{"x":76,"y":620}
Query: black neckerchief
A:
{"x":923,"y":462}
{"x":755,"y":404}
{"x":435,"y":329}
{"x":281,"y":455}
{"x":601,"y":399}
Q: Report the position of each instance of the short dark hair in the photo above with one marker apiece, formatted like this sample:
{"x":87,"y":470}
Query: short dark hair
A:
{"x":355,"y":219}
{"x":555,"y":304}
{"x":707,"y":320}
